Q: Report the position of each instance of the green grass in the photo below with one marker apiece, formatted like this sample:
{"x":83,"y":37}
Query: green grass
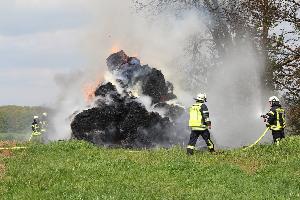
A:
{"x":78,"y":170}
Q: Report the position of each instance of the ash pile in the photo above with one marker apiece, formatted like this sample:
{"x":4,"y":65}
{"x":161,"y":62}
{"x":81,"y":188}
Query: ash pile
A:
{"x":133,"y":110}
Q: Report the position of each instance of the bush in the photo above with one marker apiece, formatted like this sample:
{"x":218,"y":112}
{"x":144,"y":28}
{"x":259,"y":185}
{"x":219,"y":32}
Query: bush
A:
{"x":293,"y":119}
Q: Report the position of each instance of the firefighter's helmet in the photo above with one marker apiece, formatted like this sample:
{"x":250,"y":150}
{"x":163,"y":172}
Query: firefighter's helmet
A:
{"x":273,"y":99}
{"x":201,"y":97}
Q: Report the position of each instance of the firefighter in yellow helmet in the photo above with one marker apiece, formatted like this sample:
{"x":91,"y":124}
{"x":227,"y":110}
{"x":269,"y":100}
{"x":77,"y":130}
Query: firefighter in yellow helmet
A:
{"x":275,"y":119}
{"x":199,"y":123}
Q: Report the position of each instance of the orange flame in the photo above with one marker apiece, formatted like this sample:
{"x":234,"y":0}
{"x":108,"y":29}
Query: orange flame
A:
{"x":115,"y":48}
{"x":89,"y":91}
{"x":135,"y":54}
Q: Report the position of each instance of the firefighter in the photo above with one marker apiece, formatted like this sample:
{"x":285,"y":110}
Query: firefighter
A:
{"x":276,"y":119}
{"x":36,"y":129}
{"x":199,"y":123}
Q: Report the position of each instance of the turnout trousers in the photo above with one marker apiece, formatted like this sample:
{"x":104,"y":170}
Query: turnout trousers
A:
{"x":193,"y":140}
{"x":277,"y":136}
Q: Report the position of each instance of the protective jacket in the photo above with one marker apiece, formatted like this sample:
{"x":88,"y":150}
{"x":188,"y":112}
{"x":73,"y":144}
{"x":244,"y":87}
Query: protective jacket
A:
{"x":199,"y":117}
{"x":36,"y":130}
{"x":276,"y":118}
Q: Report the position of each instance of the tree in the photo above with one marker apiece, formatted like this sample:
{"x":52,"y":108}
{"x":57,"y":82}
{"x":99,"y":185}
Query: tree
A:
{"x":276,"y":26}
{"x":272,"y":25}
{"x":215,"y":24}
{"x":279,"y":46}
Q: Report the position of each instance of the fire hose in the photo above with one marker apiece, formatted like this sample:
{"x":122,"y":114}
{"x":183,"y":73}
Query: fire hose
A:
{"x":12,"y":148}
{"x":264,"y":133}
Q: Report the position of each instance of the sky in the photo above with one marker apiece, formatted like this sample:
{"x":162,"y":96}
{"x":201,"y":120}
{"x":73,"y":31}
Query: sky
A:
{"x":38,"y":40}
{"x":42,"y":39}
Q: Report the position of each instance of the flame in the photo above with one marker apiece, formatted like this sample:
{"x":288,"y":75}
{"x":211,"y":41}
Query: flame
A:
{"x":115,"y":48}
{"x":89,"y":90}
{"x":135,"y":54}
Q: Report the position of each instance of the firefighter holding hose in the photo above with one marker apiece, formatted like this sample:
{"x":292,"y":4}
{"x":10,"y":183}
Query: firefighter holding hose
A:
{"x":275,"y":119}
{"x":199,"y":123}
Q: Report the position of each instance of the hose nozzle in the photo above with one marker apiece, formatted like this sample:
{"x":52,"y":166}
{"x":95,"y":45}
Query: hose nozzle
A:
{"x":264,"y":116}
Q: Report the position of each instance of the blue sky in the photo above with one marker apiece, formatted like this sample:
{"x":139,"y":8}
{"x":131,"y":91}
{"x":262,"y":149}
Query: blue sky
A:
{"x":38,"y":39}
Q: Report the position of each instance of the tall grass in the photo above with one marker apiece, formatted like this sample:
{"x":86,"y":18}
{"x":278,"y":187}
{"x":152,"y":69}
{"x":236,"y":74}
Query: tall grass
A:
{"x":78,"y":170}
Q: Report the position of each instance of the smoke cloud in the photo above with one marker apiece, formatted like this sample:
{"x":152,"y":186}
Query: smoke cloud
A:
{"x":233,"y":89}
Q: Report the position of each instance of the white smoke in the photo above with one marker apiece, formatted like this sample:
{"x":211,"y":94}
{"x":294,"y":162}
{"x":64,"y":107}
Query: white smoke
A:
{"x":114,"y":26}
{"x":233,"y":89}
{"x":69,"y":101}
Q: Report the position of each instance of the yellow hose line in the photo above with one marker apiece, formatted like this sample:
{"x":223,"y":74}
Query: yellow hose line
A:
{"x":12,"y":148}
{"x":264,"y":133}
{"x":30,"y":138}
{"x":32,"y":135}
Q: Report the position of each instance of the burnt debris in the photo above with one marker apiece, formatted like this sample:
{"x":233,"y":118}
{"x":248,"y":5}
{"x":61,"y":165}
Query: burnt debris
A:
{"x":120,"y":119}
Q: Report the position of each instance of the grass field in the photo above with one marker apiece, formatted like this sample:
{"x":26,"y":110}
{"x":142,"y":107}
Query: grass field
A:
{"x":78,"y":170}
{"x":14,"y":136}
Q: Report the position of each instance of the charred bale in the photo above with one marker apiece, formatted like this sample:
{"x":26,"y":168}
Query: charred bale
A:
{"x":154,"y":85}
{"x":170,"y":94}
{"x":158,"y":129}
{"x":128,"y":125}
{"x":135,"y":118}
{"x":97,"y":121}
{"x":130,"y":72}
{"x":118,"y":119}
{"x":108,"y":92}
{"x":116,"y":60}
{"x":105,"y":89}
{"x":134,"y":61}
{"x":143,"y":129}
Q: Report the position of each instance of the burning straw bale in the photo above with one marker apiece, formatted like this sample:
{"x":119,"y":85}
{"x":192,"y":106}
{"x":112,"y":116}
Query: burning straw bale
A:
{"x":118,"y":119}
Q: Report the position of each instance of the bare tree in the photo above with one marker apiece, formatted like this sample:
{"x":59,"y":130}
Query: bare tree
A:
{"x":280,"y":47}
{"x":215,"y":23}
{"x":272,"y":25}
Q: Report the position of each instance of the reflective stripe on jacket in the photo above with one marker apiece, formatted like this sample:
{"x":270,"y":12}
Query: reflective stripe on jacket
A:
{"x":276,"y":118}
